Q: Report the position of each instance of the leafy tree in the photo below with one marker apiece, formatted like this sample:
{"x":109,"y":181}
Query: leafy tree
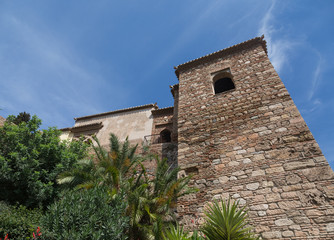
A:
{"x":227,"y":221}
{"x":30,"y":160}
{"x":22,"y":117}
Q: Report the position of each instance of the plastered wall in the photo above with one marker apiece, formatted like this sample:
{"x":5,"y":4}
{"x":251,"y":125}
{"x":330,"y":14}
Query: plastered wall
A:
{"x":135,"y":124}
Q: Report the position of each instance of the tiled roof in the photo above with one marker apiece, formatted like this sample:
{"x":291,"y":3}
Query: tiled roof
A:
{"x":163,"y":110}
{"x":221,"y":53}
{"x":85,"y":127}
{"x":119,"y":111}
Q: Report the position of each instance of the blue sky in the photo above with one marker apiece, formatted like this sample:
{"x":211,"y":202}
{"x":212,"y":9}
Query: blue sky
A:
{"x":65,"y":59}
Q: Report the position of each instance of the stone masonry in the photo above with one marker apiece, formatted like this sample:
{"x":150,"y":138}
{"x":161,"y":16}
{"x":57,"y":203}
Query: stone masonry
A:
{"x":251,"y":144}
{"x":248,"y":143}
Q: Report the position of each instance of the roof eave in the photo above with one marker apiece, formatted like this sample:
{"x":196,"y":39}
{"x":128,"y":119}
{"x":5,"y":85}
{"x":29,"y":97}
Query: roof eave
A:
{"x":221,"y":53}
{"x":152,"y":105}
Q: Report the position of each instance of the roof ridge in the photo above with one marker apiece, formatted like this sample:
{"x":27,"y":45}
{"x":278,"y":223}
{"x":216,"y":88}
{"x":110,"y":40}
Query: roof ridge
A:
{"x":233,"y":47}
{"x":80,"y":126}
{"x":162,"y":108}
{"x":118,"y":111}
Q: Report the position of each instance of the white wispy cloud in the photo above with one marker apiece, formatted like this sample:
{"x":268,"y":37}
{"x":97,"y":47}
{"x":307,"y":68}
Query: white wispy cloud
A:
{"x":314,"y":102}
{"x":281,"y":43}
{"x":278,"y":47}
{"x":316,"y":75}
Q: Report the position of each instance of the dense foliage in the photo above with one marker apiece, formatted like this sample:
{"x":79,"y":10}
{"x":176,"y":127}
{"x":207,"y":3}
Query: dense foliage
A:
{"x":30,"y":161}
{"x":22,"y":117}
{"x":86,"y":214}
{"x":109,"y":196}
{"x":150,"y":200}
{"x":18,"y":221}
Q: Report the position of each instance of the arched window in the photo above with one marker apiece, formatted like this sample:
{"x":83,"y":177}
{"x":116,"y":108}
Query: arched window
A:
{"x":222,"y":81}
{"x":165,"y":136}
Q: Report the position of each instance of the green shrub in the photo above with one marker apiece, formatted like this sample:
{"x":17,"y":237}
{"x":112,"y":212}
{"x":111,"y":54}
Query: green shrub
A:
{"x":18,"y":222}
{"x":86,"y":214}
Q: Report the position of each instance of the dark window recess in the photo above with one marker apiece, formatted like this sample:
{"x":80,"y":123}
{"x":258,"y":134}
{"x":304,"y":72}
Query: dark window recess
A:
{"x":191,"y":170}
{"x":223,"y":85}
{"x":165,"y":136}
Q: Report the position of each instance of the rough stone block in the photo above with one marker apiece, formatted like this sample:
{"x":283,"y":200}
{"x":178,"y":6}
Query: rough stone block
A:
{"x":253,"y":186}
{"x":318,"y":173}
{"x":274,"y":170}
{"x":258,"y":173}
{"x":299,"y":165}
{"x":330,"y":227}
{"x":287,"y":234}
{"x":271,"y":235}
{"x":283,"y":222}
{"x":260,"y":207}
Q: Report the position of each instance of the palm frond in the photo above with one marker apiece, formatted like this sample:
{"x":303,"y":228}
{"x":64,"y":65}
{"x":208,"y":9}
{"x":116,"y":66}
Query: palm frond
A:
{"x":114,"y":143}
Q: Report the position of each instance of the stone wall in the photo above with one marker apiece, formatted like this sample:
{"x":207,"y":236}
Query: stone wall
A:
{"x":162,"y":120}
{"x":175,"y":92}
{"x":251,"y":144}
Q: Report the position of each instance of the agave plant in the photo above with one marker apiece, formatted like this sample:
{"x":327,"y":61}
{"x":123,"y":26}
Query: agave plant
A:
{"x":177,"y":233}
{"x":227,"y":221}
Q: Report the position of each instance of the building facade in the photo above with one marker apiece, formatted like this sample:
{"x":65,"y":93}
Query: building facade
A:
{"x":235,"y":128}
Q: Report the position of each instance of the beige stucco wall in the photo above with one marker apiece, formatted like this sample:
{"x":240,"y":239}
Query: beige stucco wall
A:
{"x":135,"y":124}
{"x":66,"y":135}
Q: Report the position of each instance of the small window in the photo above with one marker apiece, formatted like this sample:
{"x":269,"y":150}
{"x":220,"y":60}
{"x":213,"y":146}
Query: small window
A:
{"x":223,"y":85}
{"x":222,"y":81}
{"x":165,"y":136}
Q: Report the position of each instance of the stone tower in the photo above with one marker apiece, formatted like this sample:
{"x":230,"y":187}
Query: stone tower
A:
{"x":241,"y":136}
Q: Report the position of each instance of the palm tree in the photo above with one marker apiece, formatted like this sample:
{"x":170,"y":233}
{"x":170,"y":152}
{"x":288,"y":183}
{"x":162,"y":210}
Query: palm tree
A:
{"x":106,"y":168}
{"x":150,"y":200}
{"x":226,"y":221}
